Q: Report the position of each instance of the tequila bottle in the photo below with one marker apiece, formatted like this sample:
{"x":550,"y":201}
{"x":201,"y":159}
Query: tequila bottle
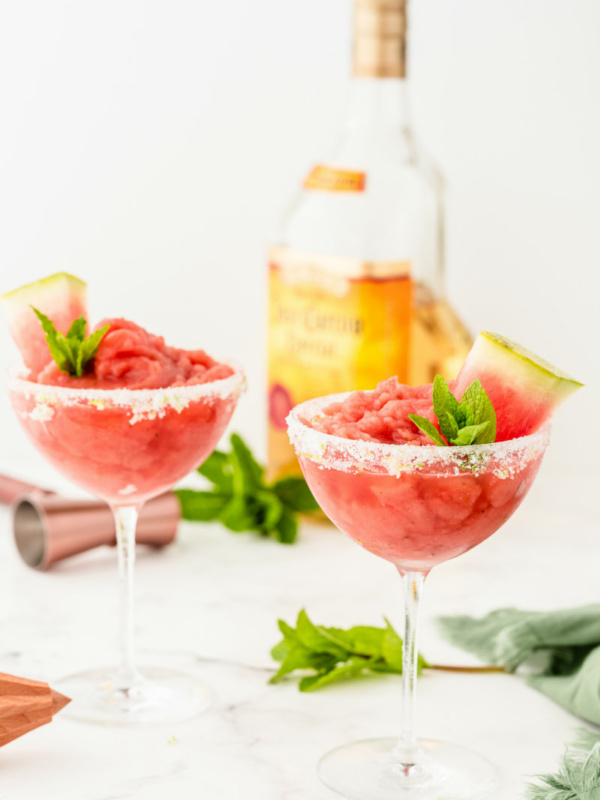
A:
{"x":356,"y":282}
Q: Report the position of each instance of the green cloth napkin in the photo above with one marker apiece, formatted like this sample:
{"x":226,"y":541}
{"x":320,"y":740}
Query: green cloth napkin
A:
{"x":570,"y":639}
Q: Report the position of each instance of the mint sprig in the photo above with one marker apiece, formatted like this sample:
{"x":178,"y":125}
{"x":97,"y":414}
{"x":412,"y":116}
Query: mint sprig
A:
{"x":242,"y":500}
{"x":470,"y":421}
{"x":334,"y":654}
{"x":73,"y":352}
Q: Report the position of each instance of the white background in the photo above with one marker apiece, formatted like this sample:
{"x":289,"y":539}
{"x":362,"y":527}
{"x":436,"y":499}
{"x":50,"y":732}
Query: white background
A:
{"x":150,"y":148}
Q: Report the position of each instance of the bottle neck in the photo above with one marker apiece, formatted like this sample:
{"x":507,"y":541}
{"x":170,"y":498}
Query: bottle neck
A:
{"x":379,"y":103}
{"x":379,"y":98}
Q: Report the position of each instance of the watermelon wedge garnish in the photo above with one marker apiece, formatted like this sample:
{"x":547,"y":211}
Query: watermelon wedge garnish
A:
{"x":524,"y":389}
{"x":61,"y":297}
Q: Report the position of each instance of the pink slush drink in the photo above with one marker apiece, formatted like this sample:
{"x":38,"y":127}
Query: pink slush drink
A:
{"x":122,"y":445}
{"x":385,"y":484}
{"x":417,"y":491}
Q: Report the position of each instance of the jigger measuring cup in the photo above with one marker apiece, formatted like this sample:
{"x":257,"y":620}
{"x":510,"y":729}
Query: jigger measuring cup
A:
{"x":48,"y":528}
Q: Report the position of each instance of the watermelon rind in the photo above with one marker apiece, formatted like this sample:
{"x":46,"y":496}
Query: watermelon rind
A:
{"x":61,"y":297}
{"x":524,"y":389}
{"x":499,"y":350}
{"x":33,"y":289}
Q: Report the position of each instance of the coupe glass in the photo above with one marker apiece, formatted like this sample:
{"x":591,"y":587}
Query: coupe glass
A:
{"x":126,"y":446}
{"x":416,"y":507}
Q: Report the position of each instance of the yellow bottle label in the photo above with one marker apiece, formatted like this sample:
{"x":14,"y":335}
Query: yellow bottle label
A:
{"x":335,"y":325}
{"x":330,"y":179}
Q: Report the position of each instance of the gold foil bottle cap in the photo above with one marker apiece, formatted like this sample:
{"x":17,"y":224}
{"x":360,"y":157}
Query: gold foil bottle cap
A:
{"x":380,"y":38}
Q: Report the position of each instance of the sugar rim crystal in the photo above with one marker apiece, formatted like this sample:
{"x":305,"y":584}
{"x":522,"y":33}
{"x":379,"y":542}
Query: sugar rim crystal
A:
{"x":144,"y":403}
{"x":336,"y":452}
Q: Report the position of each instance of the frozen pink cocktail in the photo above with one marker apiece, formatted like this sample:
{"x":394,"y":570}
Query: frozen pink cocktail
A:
{"x":139,"y":418}
{"x":381,"y":481}
{"x":145,"y":417}
{"x":424,"y":517}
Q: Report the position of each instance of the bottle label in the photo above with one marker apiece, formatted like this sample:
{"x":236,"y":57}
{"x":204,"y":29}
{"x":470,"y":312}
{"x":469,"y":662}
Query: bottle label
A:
{"x":330,"y":179}
{"x":335,"y":325}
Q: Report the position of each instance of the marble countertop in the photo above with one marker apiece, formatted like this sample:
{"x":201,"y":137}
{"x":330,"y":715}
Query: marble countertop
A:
{"x":209,"y":605}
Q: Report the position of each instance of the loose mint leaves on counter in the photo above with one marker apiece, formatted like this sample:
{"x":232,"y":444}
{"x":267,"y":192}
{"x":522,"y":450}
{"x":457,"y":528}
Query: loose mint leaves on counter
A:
{"x":243,"y":501}
{"x":333,"y":654}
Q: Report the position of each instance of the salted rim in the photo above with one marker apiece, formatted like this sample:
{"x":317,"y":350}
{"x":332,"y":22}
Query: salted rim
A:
{"x":336,"y":452}
{"x":223,"y":387}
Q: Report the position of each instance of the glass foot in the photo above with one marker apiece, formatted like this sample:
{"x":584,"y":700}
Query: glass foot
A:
{"x":155,"y":696}
{"x":367,"y":770}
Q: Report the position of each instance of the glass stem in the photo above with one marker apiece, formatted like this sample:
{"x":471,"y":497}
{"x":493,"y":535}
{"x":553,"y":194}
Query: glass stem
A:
{"x":125,"y":522}
{"x":407,"y":750}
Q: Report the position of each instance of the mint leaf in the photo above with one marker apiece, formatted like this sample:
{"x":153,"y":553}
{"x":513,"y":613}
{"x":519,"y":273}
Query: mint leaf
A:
{"x":477,"y":403}
{"x":271,"y":509}
{"x":282,"y":648}
{"x":317,"y":638}
{"x":448,"y":424}
{"x":335,"y":654}
{"x":239,"y":514}
{"x":392,"y":648}
{"x":218,"y":470}
{"x":57,"y":344}
{"x":241,"y":498}
{"x":472,"y":421}
{"x":74,"y":351}
{"x":471,"y":435}
{"x":363,"y":639}
{"x":286,"y":529}
{"x":77,"y":329}
{"x":428,"y":429}
{"x":446,"y":408}
{"x":88,"y":347}
{"x":201,"y":506}
{"x":299,"y":657}
{"x":443,"y":399}
{"x":351,"y":669}
{"x":467,"y":416}
{"x":289,"y":633}
{"x":294,"y":492}
{"x":247,"y":472}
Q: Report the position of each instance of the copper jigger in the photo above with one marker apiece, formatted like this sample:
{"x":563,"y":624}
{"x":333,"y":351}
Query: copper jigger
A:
{"x":48,"y":527}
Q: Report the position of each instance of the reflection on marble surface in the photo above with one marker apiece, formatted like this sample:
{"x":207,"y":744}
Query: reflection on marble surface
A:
{"x":210,"y":603}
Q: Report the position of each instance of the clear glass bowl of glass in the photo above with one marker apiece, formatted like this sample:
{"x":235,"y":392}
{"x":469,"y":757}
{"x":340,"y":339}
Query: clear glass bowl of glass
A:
{"x":126,"y":446}
{"x":415,"y":507}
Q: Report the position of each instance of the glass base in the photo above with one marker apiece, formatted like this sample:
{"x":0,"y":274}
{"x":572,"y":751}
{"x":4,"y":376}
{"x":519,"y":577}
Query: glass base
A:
{"x":368,"y":770}
{"x":155,"y":696}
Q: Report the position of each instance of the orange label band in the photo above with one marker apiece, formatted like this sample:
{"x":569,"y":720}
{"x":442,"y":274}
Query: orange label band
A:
{"x":335,"y":324}
{"x":332,"y":334}
{"x":328,"y":179}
